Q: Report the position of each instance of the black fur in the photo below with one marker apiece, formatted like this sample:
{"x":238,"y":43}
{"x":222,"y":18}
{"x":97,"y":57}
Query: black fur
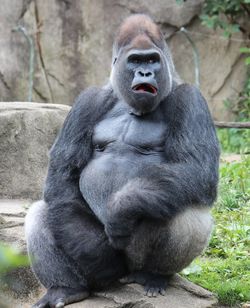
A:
{"x":189,"y":176}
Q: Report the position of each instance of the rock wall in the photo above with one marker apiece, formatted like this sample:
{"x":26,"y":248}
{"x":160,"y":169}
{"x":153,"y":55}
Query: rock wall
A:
{"x":73,"y":48}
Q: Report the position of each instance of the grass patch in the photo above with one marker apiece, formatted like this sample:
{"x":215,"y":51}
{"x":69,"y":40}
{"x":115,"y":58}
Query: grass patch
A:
{"x":224,"y":268}
{"x":234,"y":140}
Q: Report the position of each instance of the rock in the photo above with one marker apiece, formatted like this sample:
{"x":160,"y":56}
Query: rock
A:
{"x":27,"y":132}
{"x":73,"y":45}
{"x":230,"y":158}
{"x":12,"y":231}
{"x":20,"y":282}
{"x":23,"y":288}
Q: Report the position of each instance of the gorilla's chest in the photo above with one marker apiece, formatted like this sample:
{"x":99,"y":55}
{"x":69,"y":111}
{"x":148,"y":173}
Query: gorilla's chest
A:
{"x":122,"y":130}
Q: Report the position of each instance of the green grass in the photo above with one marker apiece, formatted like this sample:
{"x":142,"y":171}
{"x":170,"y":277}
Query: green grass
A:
{"x":11,"y":258}
{"x":234,"y":140}
{"x":224,"y":268}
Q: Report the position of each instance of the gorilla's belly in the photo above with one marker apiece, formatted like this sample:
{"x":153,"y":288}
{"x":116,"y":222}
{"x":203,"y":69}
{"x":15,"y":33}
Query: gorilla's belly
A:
{"x":106,"y":173}
{"x":124,"y":145}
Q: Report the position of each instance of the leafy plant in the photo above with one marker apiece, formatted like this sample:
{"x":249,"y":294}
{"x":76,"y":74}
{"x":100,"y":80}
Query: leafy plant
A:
{"x":227,"y":15}
{"x":246,"y":51}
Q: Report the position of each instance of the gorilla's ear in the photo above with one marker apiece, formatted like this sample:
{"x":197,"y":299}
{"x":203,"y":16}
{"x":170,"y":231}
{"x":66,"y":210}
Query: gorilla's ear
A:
{"x":114,"y":60}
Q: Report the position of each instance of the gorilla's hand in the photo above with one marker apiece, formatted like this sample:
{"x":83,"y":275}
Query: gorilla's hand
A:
{"x":118,"y":235}
{"x":120,"y":224}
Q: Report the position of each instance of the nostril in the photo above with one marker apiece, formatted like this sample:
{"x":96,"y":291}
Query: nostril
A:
{"x":148,"y":74}
{"x":141,"y":74}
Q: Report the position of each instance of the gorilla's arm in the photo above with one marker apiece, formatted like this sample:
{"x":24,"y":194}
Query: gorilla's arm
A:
{"x":189,"y":176}
{"x":69,"y":154}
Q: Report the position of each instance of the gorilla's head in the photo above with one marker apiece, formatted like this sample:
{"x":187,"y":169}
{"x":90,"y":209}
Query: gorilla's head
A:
{"x":142,"y":70}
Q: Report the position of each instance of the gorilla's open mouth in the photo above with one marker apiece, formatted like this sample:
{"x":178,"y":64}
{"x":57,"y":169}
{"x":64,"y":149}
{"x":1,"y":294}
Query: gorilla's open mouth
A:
{"x":145,"y":87}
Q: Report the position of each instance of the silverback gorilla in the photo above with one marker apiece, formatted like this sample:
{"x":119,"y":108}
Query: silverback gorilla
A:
{"x":132,"y":176}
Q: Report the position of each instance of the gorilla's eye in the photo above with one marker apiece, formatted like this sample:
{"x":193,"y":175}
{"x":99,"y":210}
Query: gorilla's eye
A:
{"x":99,"y":147}
{"x":153,"y":58}
{"x":145,"y":150}
{"x":135,"y":59}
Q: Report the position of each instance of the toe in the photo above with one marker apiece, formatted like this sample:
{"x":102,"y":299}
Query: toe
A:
{"x":42,"y":303}
{"x":148,"y":291}
{"x":155,"y":292}
{"x":162,"y":291}
{"x":127,"y":279}
{"x":60,"y":303}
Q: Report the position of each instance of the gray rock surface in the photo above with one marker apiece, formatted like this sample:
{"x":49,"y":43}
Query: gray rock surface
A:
{"x":24,"y":290}
{"x":73,"y":42}
{"x":20,"y":282}
{"x":27,"y":132}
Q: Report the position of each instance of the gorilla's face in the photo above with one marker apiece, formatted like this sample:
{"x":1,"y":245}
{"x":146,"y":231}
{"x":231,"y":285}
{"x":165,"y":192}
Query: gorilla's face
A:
{"x":142,"y":78}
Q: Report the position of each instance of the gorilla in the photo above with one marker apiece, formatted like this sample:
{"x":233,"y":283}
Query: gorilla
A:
{"x":131,"y":179}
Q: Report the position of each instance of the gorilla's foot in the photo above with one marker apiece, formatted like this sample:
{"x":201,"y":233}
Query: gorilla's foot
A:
{"x":59,"y":297}
{"x":154,"y":284}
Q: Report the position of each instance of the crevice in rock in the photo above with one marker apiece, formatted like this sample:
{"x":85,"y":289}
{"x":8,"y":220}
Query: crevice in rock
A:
{"x":123,"y":6}
{"x":4,"y":81}
{"x":12,"y":225}
{"x":177,"y":29}
{"x":40,"y":52}
{"x":56,"y":79}
{"x":67,"y":4}
{"x":22,"y":214}
{"x":139,"y":304}
{"x":168,"y":30}
{"x":39,"y":130}
{"x":26,"y":4}
{"x":227,"y":76}
{"x":44,"y":98}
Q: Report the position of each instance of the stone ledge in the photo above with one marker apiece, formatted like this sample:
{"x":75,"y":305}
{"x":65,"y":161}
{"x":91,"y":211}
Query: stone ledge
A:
{"x":31,"y":106}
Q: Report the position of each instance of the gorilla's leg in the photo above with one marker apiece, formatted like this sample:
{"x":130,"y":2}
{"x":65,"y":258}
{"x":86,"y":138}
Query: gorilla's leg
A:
{"x":157,"y":251}
{"x":62,"y":277}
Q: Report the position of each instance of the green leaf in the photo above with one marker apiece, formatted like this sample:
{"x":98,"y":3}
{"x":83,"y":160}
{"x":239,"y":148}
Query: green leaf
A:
{"x":192,"y":269}
{"x":245,"y":49}
{"x":11,"y":258}
{"x":247,"y":61}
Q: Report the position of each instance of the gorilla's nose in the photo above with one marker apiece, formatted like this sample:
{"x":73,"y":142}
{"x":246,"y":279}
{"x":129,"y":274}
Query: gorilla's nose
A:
{"x":144,"y":73}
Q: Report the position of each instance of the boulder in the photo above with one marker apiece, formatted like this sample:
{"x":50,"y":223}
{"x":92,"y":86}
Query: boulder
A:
{"x":23,"y":288}
{"x":27,"y":132}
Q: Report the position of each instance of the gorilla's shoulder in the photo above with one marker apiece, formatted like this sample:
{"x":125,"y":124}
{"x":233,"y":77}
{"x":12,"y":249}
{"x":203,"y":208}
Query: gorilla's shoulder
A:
{"x":187,"y":95}
{"x":94,"y":98}
{"x":186,"y":89}
{"x":89,"y":107}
